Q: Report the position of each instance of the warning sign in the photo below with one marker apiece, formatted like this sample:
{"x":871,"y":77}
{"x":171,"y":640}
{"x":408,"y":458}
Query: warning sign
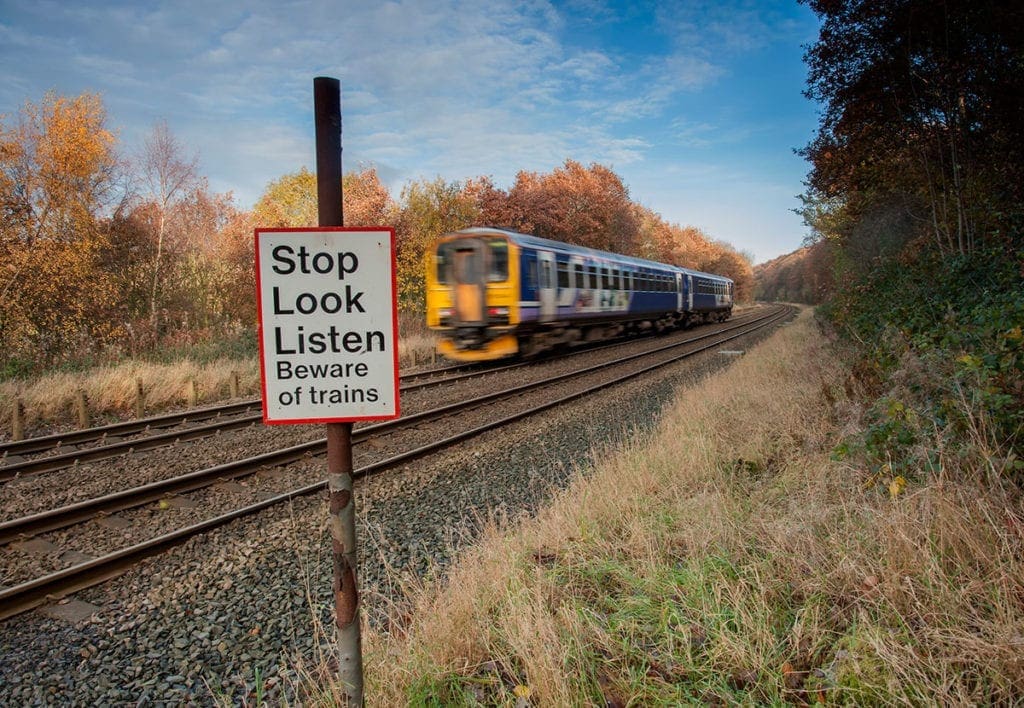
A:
{"x":327,"y":324}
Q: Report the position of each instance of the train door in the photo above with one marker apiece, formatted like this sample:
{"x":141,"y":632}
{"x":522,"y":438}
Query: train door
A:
{"x":679,"y":292}
{"x":470,"y":288}
{"x":689,"y":293}
{"x":546,"y":286}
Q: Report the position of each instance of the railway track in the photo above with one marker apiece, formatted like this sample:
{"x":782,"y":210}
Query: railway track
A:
{"x":109,"y":438}
{"x":37,"y":591}
{"x":100,"y":443}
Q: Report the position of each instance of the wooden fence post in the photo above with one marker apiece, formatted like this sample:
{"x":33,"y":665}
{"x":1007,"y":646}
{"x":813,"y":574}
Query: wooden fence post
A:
{"x":193,"y":392}
{"x":140,"y":399}
{"x":82,"y":406}
{"x":234,"y":384}
{"x":18,"y":420}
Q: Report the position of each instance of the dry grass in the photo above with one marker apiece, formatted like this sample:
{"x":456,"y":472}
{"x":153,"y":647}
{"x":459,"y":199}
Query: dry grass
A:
{"x":111,"y":390}
{"x":730,"y":559}
{"x":50,"y":401}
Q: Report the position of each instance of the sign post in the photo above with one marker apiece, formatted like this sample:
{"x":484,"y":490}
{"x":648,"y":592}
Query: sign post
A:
{"x":328,"y":340}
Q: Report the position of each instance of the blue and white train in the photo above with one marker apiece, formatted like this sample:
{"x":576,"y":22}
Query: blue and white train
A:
{"x":493,"y":293}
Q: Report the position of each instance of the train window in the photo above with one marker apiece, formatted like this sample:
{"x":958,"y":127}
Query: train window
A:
{"x":545,"y":276}
{"x":578,"y":281}
{"x":531,"y":274}
{"x":604,"y":278}
{"x":563,"y":275}
{"x":593,"y":278}
{"x":444,"y":263}
{"x":615,"y":279}
{"x":499,"y":261}
{"x":467,"y":265}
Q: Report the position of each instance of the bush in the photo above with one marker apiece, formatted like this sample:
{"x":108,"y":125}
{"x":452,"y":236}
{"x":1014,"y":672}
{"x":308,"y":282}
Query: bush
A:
{"x":942,"y":340}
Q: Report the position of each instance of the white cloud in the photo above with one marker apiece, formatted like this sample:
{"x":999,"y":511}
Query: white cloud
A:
{"x":457,"y":88}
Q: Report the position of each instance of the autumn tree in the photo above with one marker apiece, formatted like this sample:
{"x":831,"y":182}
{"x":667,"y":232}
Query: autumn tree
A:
{"x":921,"y":132}
{"x":169,"y":175}
{"x":588,"y":206}
{"x":291,"y":200}
{"x":196,"y":228}
{"x":426,"y":210}
{"x":365,"y":200}
{"x":491,"y":204}
{"x":59,"y":174}
{"x":235,"y":290}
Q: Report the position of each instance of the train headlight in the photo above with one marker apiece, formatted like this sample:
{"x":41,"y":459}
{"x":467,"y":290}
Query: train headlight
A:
{"x":497,"y":311}
{"x":445,"y":312}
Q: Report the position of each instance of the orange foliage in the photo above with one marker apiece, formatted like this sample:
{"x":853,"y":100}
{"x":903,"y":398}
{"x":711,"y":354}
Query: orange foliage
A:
{"x":588,"y":206}
{"x":365,"y":200}
{"x":57,"y":173}
{"x":805,"y":275}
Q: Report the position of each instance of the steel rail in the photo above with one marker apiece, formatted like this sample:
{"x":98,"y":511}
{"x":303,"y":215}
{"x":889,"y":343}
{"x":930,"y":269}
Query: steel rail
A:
{"x":43,"y":443}
{"x":61,"y":461}
{"x":28,"y":595}
{"x":51,"y":520}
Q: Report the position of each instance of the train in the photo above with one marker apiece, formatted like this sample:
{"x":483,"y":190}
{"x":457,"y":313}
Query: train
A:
{"x":493,"y":293}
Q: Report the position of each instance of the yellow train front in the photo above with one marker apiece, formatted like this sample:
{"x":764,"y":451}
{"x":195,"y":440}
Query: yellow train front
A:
{"x":493,"y":293}
{"x":472,"y":295}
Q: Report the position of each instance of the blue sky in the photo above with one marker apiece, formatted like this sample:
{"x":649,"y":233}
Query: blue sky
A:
{"x":696,"y":105}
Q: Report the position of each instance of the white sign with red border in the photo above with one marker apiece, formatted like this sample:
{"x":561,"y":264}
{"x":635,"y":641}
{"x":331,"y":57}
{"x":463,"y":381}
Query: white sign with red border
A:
{"x":328,"y":328}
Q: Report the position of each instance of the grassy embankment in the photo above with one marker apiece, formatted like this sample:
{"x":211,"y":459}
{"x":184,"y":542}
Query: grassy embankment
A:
{"x":730,"y":558}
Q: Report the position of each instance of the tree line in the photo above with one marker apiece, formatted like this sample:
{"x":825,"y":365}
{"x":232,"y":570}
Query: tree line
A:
{"x":915,"y":200}
{"x":920,"y":146}
{"x":105,"y":254}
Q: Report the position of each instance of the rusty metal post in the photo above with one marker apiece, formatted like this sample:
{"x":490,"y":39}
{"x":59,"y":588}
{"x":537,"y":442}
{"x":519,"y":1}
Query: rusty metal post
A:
{"x":343,"y":554}
{"x":82,"y":407}
{"x":327,"y":109}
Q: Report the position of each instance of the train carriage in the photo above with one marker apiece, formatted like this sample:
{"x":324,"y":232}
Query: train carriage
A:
{"x":493,"y":293}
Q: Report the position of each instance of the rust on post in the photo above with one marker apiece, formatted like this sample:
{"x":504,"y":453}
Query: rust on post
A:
{"x":343,"y":558}
{"x":340,"y":500}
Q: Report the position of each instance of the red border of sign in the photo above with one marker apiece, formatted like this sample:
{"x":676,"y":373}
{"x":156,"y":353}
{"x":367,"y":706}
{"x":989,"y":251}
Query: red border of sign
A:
{"x":259,"y":322}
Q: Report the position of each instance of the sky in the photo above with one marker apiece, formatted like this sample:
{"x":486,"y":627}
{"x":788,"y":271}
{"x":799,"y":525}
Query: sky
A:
{"x":698,"y":106}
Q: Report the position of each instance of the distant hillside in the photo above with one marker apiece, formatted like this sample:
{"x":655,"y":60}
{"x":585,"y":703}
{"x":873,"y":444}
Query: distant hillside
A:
{"x":804,"y":276}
